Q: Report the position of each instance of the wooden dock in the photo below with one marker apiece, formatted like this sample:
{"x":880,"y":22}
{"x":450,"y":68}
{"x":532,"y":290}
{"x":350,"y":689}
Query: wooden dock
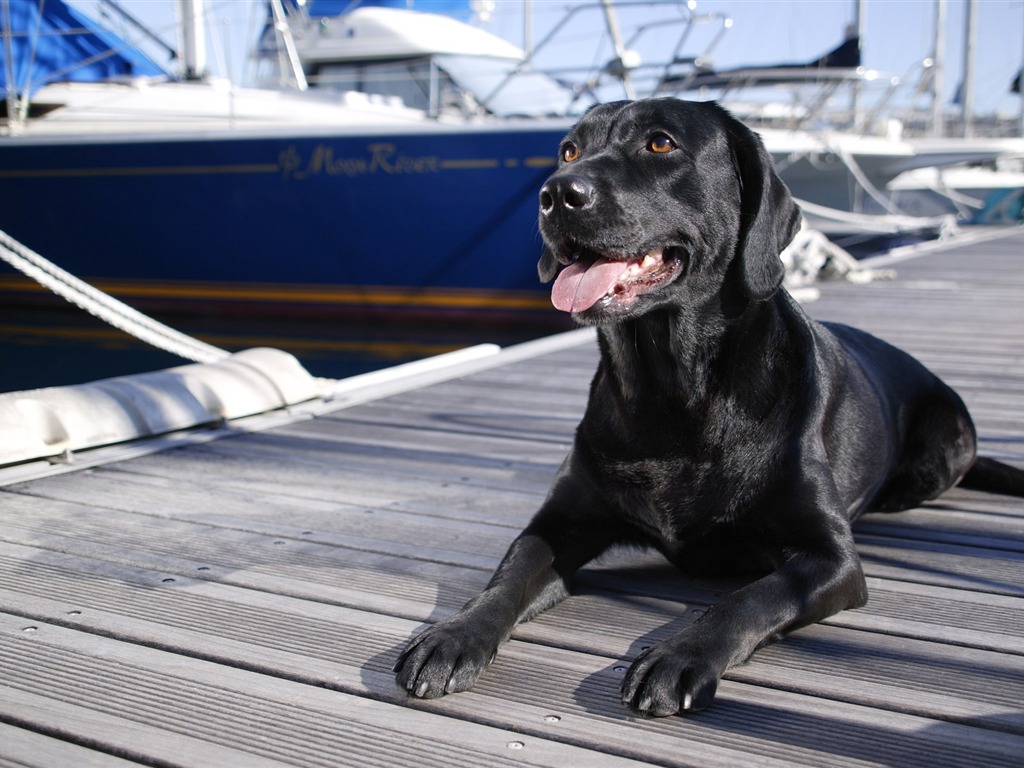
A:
{"x":240,"y":602}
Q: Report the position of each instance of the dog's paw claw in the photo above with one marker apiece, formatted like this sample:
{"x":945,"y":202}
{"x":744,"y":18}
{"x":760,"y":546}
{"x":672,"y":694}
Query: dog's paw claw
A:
{"x":665,"y":681}
{"x":444,"y":659}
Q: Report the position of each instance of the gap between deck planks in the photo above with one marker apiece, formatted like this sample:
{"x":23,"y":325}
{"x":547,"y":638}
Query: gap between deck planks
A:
{"x":241,"y":602}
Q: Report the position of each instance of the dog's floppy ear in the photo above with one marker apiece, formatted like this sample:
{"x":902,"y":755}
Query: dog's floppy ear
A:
{"x":547,"y":267}
{"x":769,"y":216}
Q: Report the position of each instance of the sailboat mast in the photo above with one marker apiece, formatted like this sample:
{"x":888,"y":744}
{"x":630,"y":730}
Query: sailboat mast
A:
{"x":938,"y":121}
{"x":858,"y":26}
{"x":528,"y":27}
{"x":191,"y":39}
{"x":967,"y":88}
{"x":7,"y":30}
{"x":621,"y":54}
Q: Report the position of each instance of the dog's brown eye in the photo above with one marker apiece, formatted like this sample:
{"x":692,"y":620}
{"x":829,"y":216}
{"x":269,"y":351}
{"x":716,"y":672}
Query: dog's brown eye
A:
{"x":570,"y":153}
{"x":660,"y":143}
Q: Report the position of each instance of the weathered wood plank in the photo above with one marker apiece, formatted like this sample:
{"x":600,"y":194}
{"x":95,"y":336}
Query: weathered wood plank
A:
{"x":160,"y":706}
{"x":930,"y":562}
{"x":351,"y":651}
{"x":28,"y":749}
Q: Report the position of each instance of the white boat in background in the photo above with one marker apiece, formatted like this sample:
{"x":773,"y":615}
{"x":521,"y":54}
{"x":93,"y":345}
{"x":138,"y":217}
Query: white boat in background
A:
{"x":862,"y":160}
{"x":435,"y":63}
{"x":982,"y":194}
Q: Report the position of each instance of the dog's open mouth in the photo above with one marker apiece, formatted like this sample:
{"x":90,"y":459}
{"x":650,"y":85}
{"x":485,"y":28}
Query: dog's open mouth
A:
{"x":593,"y":278}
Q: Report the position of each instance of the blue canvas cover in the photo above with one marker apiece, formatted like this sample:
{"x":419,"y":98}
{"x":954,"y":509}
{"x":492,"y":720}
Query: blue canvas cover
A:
{"x":460,"y":9}
{"x":52,"y":42}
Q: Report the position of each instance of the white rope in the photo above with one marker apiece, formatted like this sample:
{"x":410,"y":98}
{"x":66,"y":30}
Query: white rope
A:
{"x":106,"y":308}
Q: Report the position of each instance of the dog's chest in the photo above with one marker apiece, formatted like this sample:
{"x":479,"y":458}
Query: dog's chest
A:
{"x":678,"y":469}
{"x":685,"y":456}
{"x":701,"y":515}
{"x":682,"y":493}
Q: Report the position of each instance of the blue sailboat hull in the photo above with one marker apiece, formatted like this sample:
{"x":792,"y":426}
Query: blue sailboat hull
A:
{"x":432,"y":221}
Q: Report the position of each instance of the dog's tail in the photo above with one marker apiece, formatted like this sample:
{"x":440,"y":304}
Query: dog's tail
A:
{"x":994,"y":477}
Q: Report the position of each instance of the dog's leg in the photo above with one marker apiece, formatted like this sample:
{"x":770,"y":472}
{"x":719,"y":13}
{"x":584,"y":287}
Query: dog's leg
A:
{"x":682,"y":672}
{"x":533,"y":576}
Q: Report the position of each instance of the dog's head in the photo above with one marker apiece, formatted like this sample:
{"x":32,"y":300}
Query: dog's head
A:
{"x":662,"y":201}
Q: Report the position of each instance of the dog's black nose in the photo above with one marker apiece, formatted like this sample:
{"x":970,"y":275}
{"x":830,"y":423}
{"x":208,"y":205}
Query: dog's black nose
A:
{"x":570,"y":192}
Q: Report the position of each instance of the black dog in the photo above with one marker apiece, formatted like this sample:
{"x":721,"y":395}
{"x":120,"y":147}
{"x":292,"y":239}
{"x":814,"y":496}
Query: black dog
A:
{"x":724,"y":428}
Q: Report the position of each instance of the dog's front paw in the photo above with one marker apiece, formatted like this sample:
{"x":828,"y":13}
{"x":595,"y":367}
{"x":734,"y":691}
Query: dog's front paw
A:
{"x":670,"y":678}
{"x":447,"y":658}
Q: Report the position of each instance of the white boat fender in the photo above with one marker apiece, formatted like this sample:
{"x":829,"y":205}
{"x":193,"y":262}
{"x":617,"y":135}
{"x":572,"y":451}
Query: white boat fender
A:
{"x":57,"y":421}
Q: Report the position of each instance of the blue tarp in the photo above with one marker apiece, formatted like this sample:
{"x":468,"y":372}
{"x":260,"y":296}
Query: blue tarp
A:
{"x":460,"y":9}
{"x":52,"y":42}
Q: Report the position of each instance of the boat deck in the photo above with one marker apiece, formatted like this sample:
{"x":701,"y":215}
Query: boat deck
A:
{"x":241,"y":601}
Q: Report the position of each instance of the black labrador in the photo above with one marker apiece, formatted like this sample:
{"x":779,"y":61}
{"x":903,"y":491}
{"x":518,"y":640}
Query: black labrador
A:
{"x":724,"y":428}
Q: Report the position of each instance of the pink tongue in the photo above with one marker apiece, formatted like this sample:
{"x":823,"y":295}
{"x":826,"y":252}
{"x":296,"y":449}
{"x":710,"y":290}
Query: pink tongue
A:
{"x":582,"y":283}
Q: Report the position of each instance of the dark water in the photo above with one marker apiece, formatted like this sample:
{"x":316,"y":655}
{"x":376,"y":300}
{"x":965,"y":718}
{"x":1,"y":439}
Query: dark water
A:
{"x":51,"y":343}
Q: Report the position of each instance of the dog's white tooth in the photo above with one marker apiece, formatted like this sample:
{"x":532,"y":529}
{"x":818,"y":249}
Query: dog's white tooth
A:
{"x":687,"y":701}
